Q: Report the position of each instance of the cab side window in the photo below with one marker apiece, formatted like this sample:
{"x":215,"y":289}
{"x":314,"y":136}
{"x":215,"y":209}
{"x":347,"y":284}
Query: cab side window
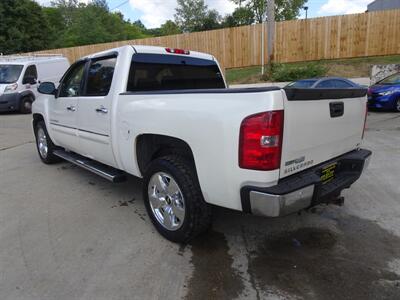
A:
{"x":100,"y":75}
{"x":30,"y":76}
{"x":71,"y":83}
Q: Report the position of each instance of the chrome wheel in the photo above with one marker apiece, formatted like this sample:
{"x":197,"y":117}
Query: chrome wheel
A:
{"x":166,"y":201}
{"x":398,"y":105}
{"x":42,"y":143}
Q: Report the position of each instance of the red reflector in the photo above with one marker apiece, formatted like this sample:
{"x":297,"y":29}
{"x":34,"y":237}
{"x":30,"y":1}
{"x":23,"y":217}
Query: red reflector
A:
{"x":177,"y":51}
{"x":260,"y":142}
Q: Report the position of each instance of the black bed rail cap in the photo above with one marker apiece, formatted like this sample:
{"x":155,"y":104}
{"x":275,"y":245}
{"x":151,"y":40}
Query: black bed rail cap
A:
{"x":206,"y":91}
{"x":296,"y":94}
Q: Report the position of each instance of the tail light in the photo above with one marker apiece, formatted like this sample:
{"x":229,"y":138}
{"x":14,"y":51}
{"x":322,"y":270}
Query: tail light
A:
{"x":177,"y":51}
{"x":365,"y":121}
{"x":260,"y":141}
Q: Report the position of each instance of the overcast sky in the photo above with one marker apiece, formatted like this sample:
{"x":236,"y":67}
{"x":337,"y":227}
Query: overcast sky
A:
{"x":155,"y":12}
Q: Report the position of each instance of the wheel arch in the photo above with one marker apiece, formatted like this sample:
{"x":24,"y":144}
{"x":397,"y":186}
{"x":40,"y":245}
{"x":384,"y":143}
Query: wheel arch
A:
{"x":152,"y":146}
{"x":37,"y":118}
{"x":396,"y":102}
{"x":27,"y":94}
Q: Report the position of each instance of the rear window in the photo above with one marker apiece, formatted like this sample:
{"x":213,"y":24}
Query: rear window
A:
{"x":154,"y":72}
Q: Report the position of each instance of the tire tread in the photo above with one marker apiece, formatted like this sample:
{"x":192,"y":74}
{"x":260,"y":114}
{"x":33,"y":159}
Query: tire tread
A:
{"x":51,"y":158}
{"x":22,"y":106}
{"x":200,"y":212}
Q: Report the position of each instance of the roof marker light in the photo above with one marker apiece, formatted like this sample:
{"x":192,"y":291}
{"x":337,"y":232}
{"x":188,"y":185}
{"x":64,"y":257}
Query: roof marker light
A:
{"x":177,"y":51}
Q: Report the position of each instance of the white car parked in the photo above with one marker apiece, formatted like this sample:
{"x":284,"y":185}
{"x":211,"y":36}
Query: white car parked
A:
{"x":166,"y":115}
{"x":19,"y":76}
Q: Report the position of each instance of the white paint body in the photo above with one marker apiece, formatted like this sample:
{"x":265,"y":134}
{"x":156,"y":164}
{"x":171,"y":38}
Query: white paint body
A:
{"x":209,"y":123}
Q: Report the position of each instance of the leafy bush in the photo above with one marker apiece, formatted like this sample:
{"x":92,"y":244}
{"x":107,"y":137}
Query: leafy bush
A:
{"x":288,"y":72}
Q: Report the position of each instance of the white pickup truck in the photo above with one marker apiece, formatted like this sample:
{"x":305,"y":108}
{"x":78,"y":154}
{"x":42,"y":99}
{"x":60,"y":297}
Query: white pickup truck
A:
{"x":166,"y":115}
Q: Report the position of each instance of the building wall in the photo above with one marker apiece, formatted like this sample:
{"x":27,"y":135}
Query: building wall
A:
{"x":383,"y":4}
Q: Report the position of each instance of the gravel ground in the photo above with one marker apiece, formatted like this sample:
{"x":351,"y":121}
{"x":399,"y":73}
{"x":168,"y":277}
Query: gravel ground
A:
{"x":67,"y":234}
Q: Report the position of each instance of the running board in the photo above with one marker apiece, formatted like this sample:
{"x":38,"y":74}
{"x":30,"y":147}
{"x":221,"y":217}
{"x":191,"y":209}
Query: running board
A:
{"x":107,"y":172}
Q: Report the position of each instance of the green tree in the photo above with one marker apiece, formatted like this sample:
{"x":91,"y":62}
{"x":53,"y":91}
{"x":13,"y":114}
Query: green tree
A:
{"x":169,"y":28}
{"x":288,"y":9}
{"x":132,"y":32}
{"x":241,"y":16}
{"x":284,"y":9}
{"x":23,"y":27}
{"x":211,"y":21}
{"x":67,"y":9}
{"x":26,"y":26}
{"x":92,"y":24}
{"x":83,"y":25}
{"x":56,"y":26}
{"x":101,"y":3}
{"x":140,"y":25}
{"x":64,"y":3}
{"x":194,"y":15}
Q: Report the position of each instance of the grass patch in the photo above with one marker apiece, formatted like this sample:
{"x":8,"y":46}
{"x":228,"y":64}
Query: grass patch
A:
{"x":350,"y":68}
{"x":291,"y":72}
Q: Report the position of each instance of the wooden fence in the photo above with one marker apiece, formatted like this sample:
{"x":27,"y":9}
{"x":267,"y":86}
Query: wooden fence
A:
{"x":357,"y":35}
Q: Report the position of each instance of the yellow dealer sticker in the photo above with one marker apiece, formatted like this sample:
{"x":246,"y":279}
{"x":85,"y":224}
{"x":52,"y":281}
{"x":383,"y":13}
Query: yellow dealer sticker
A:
{"x":328,"y":173}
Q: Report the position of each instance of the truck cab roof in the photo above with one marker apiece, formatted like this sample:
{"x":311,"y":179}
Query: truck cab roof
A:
{"x":151,"y":50}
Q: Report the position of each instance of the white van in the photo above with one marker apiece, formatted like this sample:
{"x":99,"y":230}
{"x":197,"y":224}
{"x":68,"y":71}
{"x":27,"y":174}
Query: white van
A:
{"x":20,"y":76}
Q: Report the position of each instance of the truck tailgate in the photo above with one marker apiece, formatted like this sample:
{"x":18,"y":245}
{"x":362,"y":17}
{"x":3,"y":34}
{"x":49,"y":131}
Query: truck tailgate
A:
{"x":320,"y":124}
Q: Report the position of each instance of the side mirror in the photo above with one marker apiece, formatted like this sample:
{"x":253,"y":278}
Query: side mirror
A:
{"x":47,"y":88}
{"x":29,"y":80}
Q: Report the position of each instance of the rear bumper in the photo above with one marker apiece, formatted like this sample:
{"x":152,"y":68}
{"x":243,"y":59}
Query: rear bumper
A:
{"x":305,"y":189}
{"x":9,"y":102}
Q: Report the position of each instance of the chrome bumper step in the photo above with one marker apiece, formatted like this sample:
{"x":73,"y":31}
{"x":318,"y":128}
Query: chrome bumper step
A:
{"x":107,"y":172}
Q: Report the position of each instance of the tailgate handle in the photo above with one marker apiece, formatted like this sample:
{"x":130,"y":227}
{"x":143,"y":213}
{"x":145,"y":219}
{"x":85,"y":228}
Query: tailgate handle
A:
{"x":337,"y":109}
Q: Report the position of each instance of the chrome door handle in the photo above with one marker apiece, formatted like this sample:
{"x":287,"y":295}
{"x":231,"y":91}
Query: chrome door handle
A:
{"x":71,"y":108}
{"x":102,"y":110}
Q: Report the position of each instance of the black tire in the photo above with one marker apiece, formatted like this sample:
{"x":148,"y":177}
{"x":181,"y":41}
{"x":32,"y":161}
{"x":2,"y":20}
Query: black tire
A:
{"x":49,"y":158}
{"x":198,"y":217}
{"x":26,"y":105}
{"x":397,"y":105}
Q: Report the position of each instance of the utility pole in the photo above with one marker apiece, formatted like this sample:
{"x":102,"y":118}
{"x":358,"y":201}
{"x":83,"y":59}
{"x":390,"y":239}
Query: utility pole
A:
{"x":262,"y":44}
{"x":271,"y":29}
{"x":270,"y":11}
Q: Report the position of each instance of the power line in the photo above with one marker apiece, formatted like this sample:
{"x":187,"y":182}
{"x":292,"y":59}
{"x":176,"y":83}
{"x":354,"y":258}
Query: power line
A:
{"x":119,"y":5}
